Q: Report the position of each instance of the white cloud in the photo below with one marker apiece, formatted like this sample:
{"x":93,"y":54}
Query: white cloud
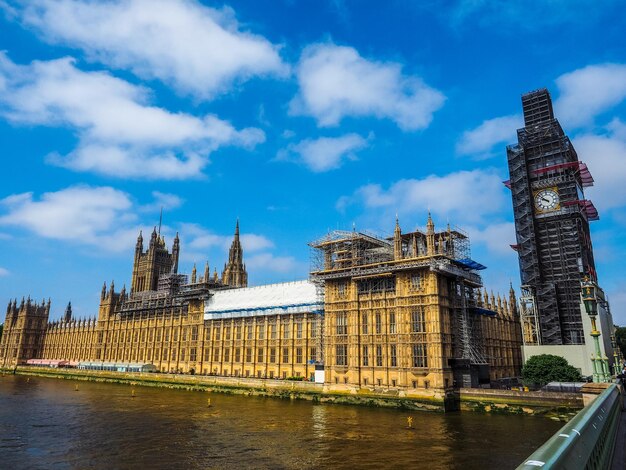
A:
{"x":197,"y":49}
{"x":587,"y":92}
{"x":198,"y":238}
{"x":480,"y":141}
{"x":497,"y":237}
{"x":165,"y":201}
{"x":336,"y":82}
{"x":605,"y":156}
{"x":324,"y":153}
{"x":98,"y":216}
{"x":119,"y":133}
{"x":270,"y":262}
{"x":464,"y":196}
{"x":4,"y":272}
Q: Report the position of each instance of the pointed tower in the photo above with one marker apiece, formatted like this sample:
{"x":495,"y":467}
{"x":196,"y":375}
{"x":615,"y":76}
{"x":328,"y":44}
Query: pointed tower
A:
{"x":235,"y":274}
{"x":207,"y":273}
{"x":430,"y":236}
{"x":68,"y":312}
{"x":150,"y":265}
{"x":175,"y":253}
{"x":397,"y":241}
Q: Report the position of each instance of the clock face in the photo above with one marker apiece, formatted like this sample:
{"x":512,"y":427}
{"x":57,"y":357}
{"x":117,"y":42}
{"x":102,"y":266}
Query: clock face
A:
{"x":547,"y":200}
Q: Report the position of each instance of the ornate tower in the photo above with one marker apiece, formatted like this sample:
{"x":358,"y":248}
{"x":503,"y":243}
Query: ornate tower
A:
{"x":24,"y":330}
{"x":68,"y":313}
{"x":552,"y":219}
{"x":148,"y":266}
{"x":235,"y":274}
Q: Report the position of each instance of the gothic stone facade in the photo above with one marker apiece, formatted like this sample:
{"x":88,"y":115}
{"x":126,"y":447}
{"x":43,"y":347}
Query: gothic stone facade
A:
{"x":405,"y":312}
{"x":398,"y":314}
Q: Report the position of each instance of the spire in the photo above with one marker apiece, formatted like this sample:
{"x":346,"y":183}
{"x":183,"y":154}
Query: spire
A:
{"x":430,"y":225}
{"x":175,"y":253}
{"x":68,"y":312}
{"x":139,"y":241}
{"x":193,"y":274}
{"x":430,"y":236}
{"x":235,"y":274}
{"x":207,"y":272}
{"x":397,"y":240}
{"x":154,"y":237}
{"x":104,"y":291}
{"x":160,"y":220}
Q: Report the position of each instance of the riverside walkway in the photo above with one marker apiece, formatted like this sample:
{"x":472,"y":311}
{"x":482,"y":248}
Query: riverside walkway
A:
{"x":594,"y":439}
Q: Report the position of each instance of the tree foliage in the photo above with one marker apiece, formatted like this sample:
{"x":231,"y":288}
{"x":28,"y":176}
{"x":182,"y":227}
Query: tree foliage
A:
{"x":620,"y":338}
{"x":546,"y":368}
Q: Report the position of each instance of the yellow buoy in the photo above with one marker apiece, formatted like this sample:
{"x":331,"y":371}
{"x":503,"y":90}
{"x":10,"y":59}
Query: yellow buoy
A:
{"x":76,"y":388}
{"x":28,"y":380}
{"x":409,"y":422}
{"x":208,"y":402}
{"x":132,"y":393}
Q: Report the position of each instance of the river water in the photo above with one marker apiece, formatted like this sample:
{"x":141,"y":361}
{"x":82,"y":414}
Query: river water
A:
{"x":46,"y":423}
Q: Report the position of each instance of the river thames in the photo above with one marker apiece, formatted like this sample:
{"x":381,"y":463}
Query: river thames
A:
{"x":46,"y":423}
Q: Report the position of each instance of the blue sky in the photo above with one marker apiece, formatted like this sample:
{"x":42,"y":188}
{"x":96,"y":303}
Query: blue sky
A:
{"x":294,"y":116}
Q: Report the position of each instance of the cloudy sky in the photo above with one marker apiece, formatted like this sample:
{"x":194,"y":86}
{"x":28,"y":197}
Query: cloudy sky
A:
{"x":297,"y":117}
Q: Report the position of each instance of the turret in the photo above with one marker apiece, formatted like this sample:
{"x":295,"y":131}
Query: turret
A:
{"x":153,"y":238}
{"x":139,"y":245}
{"x":430,"y":236}
{"x":175,"y":253}
{"x":397,"y":241}
{"x":207,"y":273}
{"x":103,"y":294}
{"x":68,"y":312}
{"x":193,"y":274}
{"x":235,"y":274}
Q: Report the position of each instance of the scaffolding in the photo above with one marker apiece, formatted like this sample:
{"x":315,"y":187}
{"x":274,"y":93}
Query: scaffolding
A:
{"x":554,"y":246}
{"x":373,"y":263}
{"x":529,"y":317}
{"x":469,"y":338}
{"x":342,"y":249}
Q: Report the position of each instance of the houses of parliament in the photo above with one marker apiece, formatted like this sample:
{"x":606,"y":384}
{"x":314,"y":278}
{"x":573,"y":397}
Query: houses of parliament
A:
{"x":407,"y":312}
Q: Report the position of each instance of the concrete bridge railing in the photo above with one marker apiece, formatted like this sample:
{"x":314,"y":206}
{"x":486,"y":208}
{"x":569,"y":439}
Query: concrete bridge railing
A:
{"x":587,"y":441}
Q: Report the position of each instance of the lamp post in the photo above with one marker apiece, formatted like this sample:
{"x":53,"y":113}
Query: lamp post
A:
{"x":600,"y":367}
{"x":616,"y":364}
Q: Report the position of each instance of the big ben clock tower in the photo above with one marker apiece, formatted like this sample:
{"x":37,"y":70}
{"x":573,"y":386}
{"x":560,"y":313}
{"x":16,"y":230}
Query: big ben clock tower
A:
{"x":552,"y":219}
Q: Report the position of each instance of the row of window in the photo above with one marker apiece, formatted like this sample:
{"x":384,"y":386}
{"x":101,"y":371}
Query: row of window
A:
{"x":376,"y":285}
{"x":418,"y":323}
{"x":419,"y":356}
{"x":141,"y":335}
{"x":260,"y":355}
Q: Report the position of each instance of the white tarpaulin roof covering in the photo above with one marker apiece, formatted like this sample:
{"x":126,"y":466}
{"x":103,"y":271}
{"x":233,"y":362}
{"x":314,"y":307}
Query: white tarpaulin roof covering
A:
{"x":271,"y":299}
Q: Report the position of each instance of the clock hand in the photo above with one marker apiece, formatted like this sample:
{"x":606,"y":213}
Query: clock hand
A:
{"x":544,"y":199}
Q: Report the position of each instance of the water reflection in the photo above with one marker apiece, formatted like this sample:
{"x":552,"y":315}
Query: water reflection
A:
{"x":44,"y":423}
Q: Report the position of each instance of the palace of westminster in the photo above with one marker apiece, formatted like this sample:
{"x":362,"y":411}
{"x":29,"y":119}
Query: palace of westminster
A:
{"x":405,"y":312}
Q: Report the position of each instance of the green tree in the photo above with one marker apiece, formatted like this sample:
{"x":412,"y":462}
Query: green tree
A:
{"x":620,"y":338}
{"x":546,"y":368}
